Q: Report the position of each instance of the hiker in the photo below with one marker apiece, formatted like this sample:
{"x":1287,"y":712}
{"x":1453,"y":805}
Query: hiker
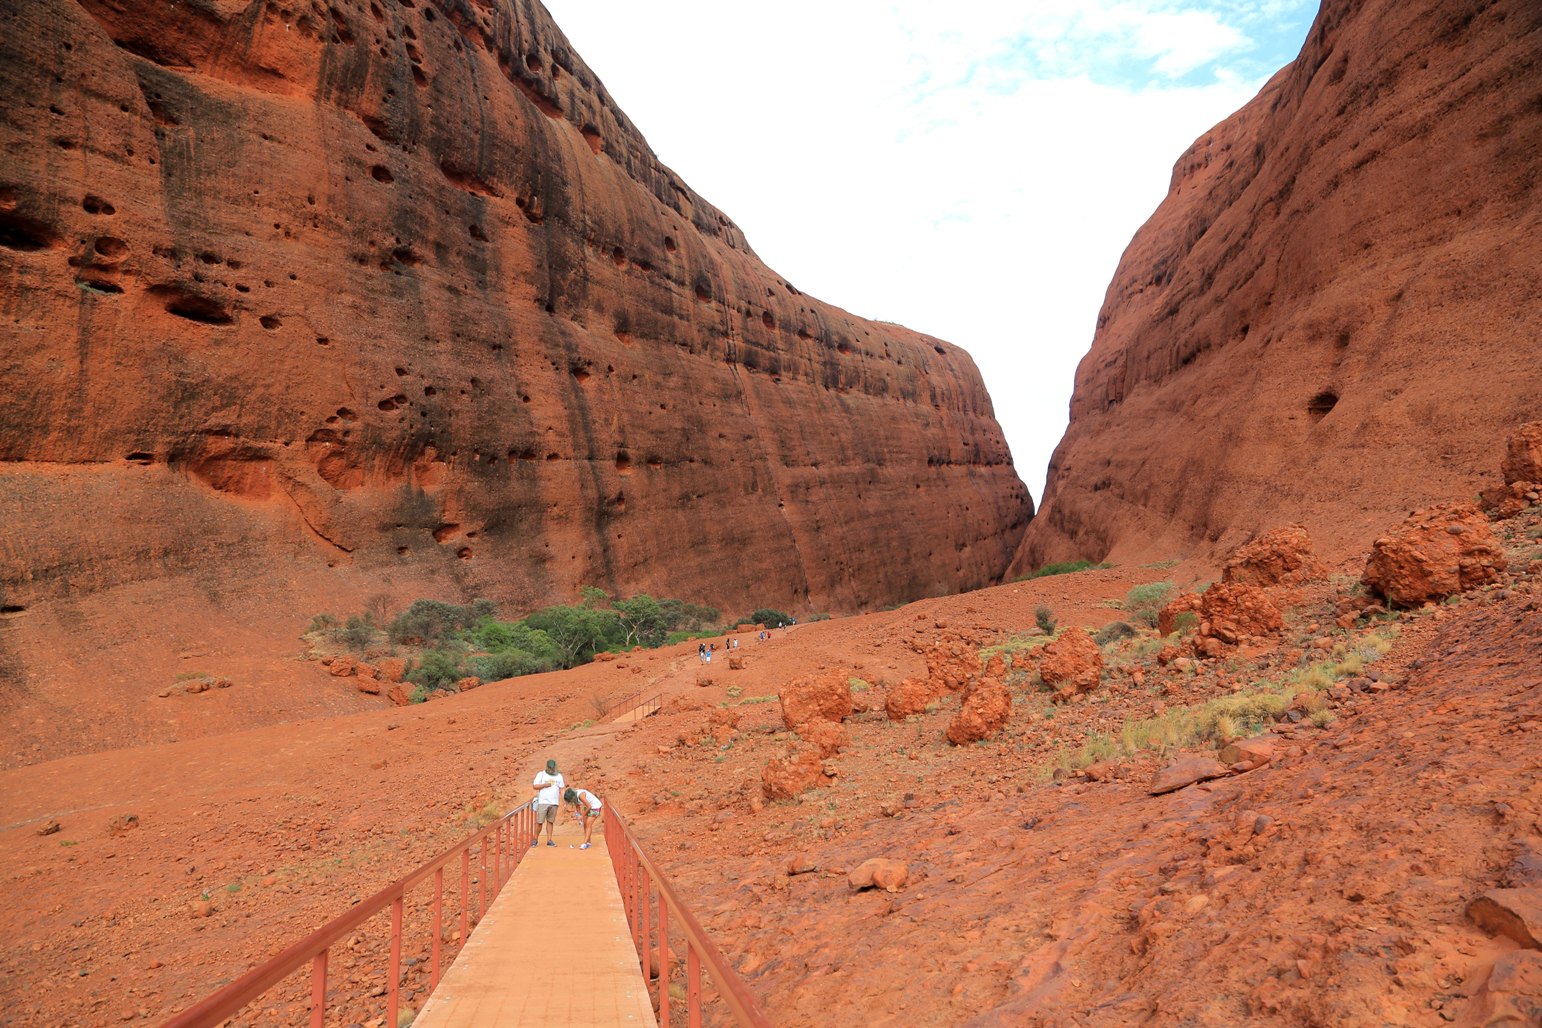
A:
{"x":587,"y":807}
{"x":548,"y":787}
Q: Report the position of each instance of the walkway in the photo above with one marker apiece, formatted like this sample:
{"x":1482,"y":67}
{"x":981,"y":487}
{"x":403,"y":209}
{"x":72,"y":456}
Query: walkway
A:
{"x":554,"y":949}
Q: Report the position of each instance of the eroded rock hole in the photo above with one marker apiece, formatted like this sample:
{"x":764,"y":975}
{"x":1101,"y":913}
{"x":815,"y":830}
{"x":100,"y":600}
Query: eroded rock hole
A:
{"x":269,"y":322}
{"x":390,"y":403}
{"x":1322,"y":404}
{"x":19,"y":232}
{"x":669,"y":244}
{"x":202,"y":309}
{"x":623,"y":464}
{"x":592,"y":137}
{"x":380,"y":173}
{"x":767,"y":320}
{"x":93,"y":204}
{"x":110,"y":246}
{"x":140,"y":457}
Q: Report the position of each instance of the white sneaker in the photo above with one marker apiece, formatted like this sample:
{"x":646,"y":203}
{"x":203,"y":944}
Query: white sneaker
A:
{"x":584,"y":846}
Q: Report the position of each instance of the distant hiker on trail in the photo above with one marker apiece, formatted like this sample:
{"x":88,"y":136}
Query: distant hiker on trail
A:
{"x":587,"y":807}
{"x":701,"y":652}
{"x":548,"y":787}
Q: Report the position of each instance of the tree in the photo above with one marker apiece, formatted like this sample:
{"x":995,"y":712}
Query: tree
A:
{"x":577,"y":632}
{"x":642,"y":620}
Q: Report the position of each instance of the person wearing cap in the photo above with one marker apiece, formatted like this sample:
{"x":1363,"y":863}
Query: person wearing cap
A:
{"x":587,"y":807}
{"x":548,"y":786}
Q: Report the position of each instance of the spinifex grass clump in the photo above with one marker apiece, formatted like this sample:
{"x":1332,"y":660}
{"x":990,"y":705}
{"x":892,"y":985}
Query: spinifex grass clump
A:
{"x":1239,"y":715}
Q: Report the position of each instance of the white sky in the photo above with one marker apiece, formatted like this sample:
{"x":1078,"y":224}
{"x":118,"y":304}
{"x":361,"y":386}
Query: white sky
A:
{"x":971,"y":169}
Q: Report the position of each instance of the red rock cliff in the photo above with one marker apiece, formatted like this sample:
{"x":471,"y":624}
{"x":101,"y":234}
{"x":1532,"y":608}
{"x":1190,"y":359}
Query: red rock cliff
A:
{"x":1333,"y":317}
{"x":302,"y":302}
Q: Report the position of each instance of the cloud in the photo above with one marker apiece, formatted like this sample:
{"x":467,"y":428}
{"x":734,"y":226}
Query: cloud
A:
{"x":971,"y":169}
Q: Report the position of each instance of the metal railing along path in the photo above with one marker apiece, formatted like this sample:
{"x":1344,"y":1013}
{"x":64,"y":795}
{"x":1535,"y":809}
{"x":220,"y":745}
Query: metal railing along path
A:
{"x":634,"y":702}
{"x":651,"y":904}
{"x":502,"y":844}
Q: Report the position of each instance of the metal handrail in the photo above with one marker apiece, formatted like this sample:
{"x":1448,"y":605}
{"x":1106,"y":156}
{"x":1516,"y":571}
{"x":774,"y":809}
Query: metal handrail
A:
{"x":640,"y":699}
{"x":507,"y":851}
{"x":637,"y":876}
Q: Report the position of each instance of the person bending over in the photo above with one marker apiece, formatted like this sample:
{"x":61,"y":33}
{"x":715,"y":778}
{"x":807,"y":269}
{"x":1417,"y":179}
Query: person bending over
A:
{"x":587,"y":807}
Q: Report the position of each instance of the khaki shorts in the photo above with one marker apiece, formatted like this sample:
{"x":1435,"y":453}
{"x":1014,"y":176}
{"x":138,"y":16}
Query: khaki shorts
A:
{"x":546,"y":812}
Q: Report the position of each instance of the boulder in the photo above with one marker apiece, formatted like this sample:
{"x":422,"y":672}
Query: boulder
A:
{"x":827,"y":737}
{"x":798,"y":772}
{"x":1437,"y":552}
{"x":825,"y":696}
{"x":371,"y":686}
{"x":123,"y":823}
{"x":729,"y":716}
{"x":1523,"y":455}
{"x":390,"y":669}
{"x":342,"y":667}
{"x":1513,"y":913}
{"x":952,"y":662}
{"x":363,"y":670}
{"x":1184,"y":772}
{"x":1512,"y":995}
{"x":912,"y":696}
{"x":49,"y":827}
{"x":468,"y":683}
{"x":1071,"y":664}
{"x":985,"y":710}
{"x":1282,"y":556}
{"x":1254,"y":752}
{"x":1167,"y":617}
{"x":1232,"y":613}
{"x":398,"y":696}
{"x":879,"y":873}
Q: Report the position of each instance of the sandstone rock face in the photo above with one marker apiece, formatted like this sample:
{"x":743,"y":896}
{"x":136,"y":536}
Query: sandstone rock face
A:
{"x":1282,"y":556}
{"x":819,"y":697}
{"x":1437,"y":552}
{"x":1293,"y":333}
{"x":301,"y":301}
{"x":1523,"y":455}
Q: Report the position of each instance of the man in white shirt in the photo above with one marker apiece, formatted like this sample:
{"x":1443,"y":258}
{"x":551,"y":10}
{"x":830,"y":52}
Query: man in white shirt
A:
{"x":548,"y":786}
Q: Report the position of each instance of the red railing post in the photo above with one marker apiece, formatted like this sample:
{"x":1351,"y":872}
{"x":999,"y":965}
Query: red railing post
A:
{"x":465,"y":893}
{"x":642,"y":895}
{"x":482,"y":882}
{"x":692,"y":987}
{"x":438,"y":925}
{"x":497,"y":860}
{"x":393,"y":987}
{"x":319,"y":989}
{"x":663,"y":962}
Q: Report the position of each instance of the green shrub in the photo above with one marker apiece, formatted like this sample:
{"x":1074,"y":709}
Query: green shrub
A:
{"x":1145,"y":601}
{"x":438,"y":669}
{"x":494,"y":667}
{"x":1114,"y":631}
{"x":767,"y":616}
{"x":500,"y":636}
{"x":428,"y":622}
{"x":681,"y":616}
{"x":1067,"y":567}
{"x":1044,"y":617}
{"x":321,"y":623}
{"x":357,"y":635}
{"x":1185,"y":623}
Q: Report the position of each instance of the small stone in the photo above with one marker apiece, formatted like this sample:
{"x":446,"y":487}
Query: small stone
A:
{"x":49,"y":827}
{"x":879,"y":872}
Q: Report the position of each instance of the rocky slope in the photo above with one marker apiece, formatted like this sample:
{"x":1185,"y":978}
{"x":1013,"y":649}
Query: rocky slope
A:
{"x":1332,"y":882}
{"x":302,"y":302}
{"x":1333,"y":314}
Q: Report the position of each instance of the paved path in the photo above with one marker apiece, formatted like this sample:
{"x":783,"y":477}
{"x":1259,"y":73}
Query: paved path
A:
{"x":553,"y":950}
